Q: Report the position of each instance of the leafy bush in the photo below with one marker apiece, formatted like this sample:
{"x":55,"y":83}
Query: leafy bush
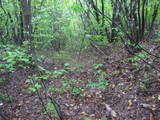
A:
{"x":13,"y":56}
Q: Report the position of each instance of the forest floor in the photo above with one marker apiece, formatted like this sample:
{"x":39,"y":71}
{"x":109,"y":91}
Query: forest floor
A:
{"x":112,"y":87}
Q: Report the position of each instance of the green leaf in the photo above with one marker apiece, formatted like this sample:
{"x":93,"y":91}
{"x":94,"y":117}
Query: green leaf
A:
{"x":66,"y":64}
{"x":38,"y":86}
{"x":32,"y":89}
{"x":87,"y":118}
{"x":97,"y":66}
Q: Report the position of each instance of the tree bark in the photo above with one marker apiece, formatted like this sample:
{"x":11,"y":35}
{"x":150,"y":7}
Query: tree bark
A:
{"x":27,"y":24}
{"x":115,"y":20}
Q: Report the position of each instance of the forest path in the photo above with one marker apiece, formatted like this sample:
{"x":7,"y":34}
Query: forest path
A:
{"x":126,"y":97}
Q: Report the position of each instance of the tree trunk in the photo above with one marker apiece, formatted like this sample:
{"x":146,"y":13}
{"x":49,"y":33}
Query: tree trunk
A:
{"x":27,"y":23}
{"x":115,"y":20}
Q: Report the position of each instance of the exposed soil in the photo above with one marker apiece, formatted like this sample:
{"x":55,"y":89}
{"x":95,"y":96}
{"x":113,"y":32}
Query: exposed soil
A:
{"x":124,"y":99}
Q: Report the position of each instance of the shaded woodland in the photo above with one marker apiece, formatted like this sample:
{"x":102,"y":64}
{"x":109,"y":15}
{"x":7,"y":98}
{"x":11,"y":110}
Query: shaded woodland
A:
{"x":79,"y":60}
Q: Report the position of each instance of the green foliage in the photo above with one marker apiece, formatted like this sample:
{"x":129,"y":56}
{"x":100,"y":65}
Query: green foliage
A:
{"x":101,"y":77}
{"x":59,"y":72}
{"x":66,"y":85}
{"x":33,"y":78}
{"x":36,"y":87}
{"x":87,"y":118}
{"x":98,"y":40}
{"x":71,"y":86}
{"x":58,"y":26}
{"x":77,"y":8}
{"x":56,"y":73}
{"x":51,"y":25}
{"x":102,"y":83}
{"x":50,"y":107}
{"x":42,"y":69}
{"x":157,"y":40}
{"x":66,"y":64}
{"x":13,"y":56}
{"x":138,"y":56}
{"x":60,"y":90}
{"x":62,"y":29}
{"x":97,"y":66}
{"x":76,"y":90}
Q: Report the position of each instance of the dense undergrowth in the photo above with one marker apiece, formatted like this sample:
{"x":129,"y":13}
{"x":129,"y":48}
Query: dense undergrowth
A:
{"x":13,"y":56}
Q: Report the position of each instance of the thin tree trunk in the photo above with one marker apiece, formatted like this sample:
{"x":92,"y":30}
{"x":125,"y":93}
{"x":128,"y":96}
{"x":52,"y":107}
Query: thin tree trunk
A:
{"x":27,"y":24}
{"x":115,"y":20}
{"x":103,"y":13}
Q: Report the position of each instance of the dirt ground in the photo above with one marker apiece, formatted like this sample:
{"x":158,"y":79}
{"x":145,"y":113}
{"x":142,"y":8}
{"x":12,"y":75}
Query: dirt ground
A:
{"x":127,"y":97}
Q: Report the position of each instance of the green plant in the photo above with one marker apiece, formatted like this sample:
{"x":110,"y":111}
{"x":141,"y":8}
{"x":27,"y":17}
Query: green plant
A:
{"x":157,"y":40}
{"x":87,"y":118}
{"x":127,"y":89}
{"x":13,"y":56}
{"x":32,"y":78}
{"x":68,"y":85}
{"x":51,"y":108}
{"x":58,"y":73}
{"x":42,"y":69}
{"x":49,"y":74}
{"x":36,"y":87}
{"x":138,"y":56}
{"x":76,"y":90}
{"x":55,"y":89}
{"x":97,"y":66}
{"x":66,"y":64}
{"x":101,"y":77}
{"x":103,"y":83}
{"x":68,"y":67}
{"x":43,"y":77}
